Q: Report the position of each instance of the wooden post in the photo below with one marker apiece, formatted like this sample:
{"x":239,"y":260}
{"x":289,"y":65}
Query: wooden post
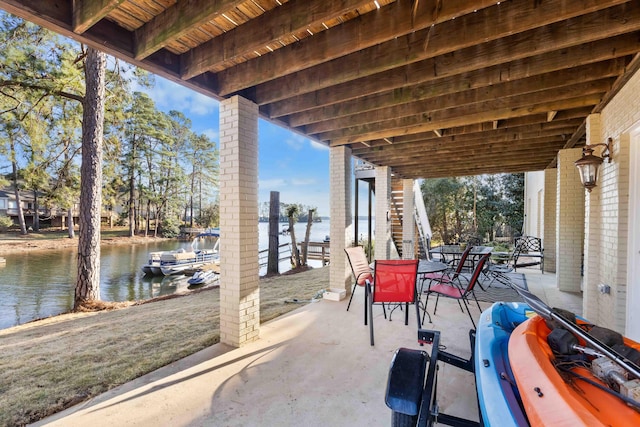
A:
{"x":274,"y":222}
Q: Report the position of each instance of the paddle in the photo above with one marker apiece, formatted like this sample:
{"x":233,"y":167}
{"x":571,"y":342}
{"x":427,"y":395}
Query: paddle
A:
{"x":550,"y":314}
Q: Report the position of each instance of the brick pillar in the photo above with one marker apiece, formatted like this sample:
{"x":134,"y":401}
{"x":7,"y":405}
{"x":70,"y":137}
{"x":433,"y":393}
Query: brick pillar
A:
{"x":594,"y":249}
{"x":549,"y":218}
{"x":239,"y":287}
{"x":569,"y":222}
{"x":383,"y":212}
{"x":408,"y":220}
{"x":340,"y":232}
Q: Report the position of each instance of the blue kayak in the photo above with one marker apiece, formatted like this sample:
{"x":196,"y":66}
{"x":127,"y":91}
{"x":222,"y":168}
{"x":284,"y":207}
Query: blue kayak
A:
{"x":498,"y":396}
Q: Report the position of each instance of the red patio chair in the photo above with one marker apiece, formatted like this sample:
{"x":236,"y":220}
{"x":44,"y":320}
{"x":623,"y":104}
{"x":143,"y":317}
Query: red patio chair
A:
{"x":395,"y":283}
{"x":449,"y":274}
{"x":458,"y":290}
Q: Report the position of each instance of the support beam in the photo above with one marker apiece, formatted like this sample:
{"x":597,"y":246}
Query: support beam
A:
{"x":569,"y":222}
{"x":549,"y":219}
{"x":87,"y":12}
{"x":340,"y":231}
{"x":239,"y":273}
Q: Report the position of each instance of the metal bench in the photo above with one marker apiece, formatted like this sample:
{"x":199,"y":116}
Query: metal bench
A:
{"x":528,"y":252}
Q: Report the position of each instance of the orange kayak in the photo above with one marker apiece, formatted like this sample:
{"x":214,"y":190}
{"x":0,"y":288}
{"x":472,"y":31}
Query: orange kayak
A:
{"x":547,"y":398}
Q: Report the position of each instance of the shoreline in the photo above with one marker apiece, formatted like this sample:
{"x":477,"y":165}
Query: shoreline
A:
{"x":12,"y":243}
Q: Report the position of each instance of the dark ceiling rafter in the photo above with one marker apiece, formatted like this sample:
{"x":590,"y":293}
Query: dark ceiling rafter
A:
{"x":431,"y":88}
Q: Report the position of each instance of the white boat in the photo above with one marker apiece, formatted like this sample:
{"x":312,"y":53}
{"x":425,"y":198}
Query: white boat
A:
{"x":203,"y":277}
{"x":177,"y":261}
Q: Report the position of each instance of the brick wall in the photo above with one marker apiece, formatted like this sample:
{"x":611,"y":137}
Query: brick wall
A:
{"x":549,"y":219}
{"x":239,"y":276}
{"x":569,"y":222}
{"x":608,"y":211}
{"x":340,"y":231}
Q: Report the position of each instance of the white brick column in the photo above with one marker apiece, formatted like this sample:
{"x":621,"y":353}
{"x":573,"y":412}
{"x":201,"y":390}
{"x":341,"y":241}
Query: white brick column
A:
{"x":549,"y":218}
{"x":408,"y":220}
{"x":383,"y":212}
{"x":569,"y":222}
{"x":340,"y":232}
{"x":239,"y":276}
{"x":593,"y":243}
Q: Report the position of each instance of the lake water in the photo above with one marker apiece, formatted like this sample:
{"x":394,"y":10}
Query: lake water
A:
{"x":40,"y":284}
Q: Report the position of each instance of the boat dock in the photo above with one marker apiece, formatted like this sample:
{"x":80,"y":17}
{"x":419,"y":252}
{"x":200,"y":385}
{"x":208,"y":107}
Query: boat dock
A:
{"x":318,"y":251}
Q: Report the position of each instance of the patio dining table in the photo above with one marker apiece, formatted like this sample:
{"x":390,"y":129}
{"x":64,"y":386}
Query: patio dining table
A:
{"x":452,"y":253}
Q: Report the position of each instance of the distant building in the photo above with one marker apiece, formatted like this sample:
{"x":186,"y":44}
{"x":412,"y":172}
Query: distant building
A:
{"x":53,"y":217}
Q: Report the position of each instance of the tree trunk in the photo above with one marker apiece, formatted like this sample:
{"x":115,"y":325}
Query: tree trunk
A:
{"x":36,"y":217}
{"x":273,"y":261}
{"x":305,"y":248}
{"x":88,"y":281}
{"x":148,"y":222}
{"x":295,"y":257}
{"x":23,"y":225}
{"x":70,"y":227}
{"x":132,"y":189}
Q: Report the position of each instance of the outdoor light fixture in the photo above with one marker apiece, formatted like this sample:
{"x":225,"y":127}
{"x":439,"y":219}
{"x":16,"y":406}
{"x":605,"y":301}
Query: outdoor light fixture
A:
{"x":588,"y":165}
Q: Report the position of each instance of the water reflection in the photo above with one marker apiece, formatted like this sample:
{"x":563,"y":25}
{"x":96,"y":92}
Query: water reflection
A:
{"x":40,"y":284}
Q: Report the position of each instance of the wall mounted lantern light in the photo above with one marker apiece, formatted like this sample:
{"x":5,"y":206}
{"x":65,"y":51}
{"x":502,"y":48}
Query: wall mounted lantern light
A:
{"x":589,"y":164}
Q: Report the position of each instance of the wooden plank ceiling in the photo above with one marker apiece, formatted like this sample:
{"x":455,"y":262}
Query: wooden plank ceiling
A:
{"x":431,"y":88}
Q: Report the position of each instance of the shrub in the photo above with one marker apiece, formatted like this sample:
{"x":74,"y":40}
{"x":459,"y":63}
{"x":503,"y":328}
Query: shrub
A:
{"x":5,"y":223}
{"x":170,"y":227}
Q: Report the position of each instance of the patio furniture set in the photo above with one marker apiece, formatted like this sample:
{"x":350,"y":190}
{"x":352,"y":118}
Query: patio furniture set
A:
{"x":454,"y":274}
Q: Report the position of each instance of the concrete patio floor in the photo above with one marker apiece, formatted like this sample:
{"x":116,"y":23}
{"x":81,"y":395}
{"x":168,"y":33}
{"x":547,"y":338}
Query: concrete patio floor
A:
{"x":313,"y":367}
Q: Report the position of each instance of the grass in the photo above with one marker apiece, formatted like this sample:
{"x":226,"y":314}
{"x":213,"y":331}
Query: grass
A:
{"x":55,"y":363}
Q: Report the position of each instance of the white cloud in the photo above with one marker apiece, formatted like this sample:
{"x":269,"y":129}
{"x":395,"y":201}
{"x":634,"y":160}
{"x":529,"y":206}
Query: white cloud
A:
{"x":318,"y":146}
{"x":212,"y":133}
{"x":171,"y":96}
{"x":272,"y":184}
{"x":296,"y":142}
{"x":303,"y":181}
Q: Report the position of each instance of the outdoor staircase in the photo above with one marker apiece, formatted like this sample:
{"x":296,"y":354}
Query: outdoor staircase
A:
{"x":397,"y":212}
{"x":422,"y":230}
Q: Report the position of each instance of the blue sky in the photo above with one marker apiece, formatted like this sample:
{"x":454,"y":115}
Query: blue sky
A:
{"x":293,"y":165}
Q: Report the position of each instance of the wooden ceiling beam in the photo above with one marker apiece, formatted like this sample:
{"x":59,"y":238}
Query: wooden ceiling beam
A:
{"x":176,"y":21}
{"x":446,"y":119}
{"x":496,"y":62}
{"x":457,"y":84}
{"x":471,"y":170}
{"x":460,"y":134}
{"x":412,"y":153}
{"x":282,"y":21}
{"x":87,"y":13}
{"x":465,"y":141}
{"x":409,"y":49}
{"x":505,"y":95}
{"x":535,"y":122}
{"x":518,"y":156}
{"x":381,"y":34}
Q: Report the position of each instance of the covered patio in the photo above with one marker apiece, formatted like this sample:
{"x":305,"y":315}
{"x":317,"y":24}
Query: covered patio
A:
{"x":417,"y":88}
{"x":313,"y":366}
